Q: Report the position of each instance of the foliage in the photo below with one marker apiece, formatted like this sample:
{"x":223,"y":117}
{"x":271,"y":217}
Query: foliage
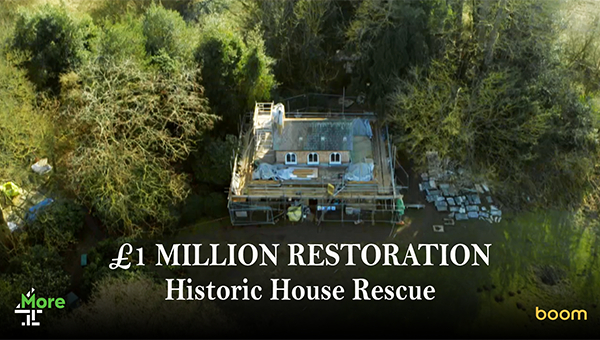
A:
{"x":132,"y":126}
{"x":99,"y":259}
{"x":204,"y":204}
{"x":115,"y":10}
{"x":198,"y":10}
{"x":236,"y":73}
{"x":55,"y":41}
{"x":580,"y":43}
{"x":387,"y":38}
{"x":510,"y":114}
{"x":41,"y":268}
{"x":213,"y":161}
{"x":56,"y":226}
{"x":303,"y":37}
{"x":24,"y":133}
{"x":166,"y":33}
{"x":136,"y":306}
{"x":122,"y":40}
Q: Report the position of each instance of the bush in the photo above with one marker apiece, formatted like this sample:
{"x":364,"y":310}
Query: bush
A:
{"x":303,"y":36}
{"x":56,"y":226}
{"x":55,"y":42}
{"x":99,"y":259}
{"x":40,"y":268}
{"x":206,"y":204}
{"x":136,"y":306}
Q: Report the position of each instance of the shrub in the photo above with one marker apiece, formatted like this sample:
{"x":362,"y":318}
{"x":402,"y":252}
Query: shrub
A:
{"x":56,"y":226}
{"x":99,"y":259}
{"x":136,"y":306}
{"x":25,"y":133}
{"x":40,"y":268}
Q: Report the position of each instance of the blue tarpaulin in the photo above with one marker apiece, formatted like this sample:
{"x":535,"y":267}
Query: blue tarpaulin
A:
{"x":32,"y":213}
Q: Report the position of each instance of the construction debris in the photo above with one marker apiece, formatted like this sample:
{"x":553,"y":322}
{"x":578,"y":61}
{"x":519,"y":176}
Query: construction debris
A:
{"x":41,"y":167}
{"x":438,"y":228}
{"x":449,"y":192}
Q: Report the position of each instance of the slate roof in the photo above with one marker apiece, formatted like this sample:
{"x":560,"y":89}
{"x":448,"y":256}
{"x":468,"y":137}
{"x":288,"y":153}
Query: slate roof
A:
{"x":311,"y":133}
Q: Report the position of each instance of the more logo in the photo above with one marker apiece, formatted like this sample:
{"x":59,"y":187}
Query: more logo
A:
{"x":30,"y":306}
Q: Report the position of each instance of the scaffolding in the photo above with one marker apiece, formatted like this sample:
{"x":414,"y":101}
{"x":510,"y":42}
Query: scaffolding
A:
{"x":256,"y":202}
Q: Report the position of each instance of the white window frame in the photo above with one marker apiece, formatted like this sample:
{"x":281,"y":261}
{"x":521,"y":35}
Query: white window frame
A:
{"x":332,"y":157}
{"x":292,"y":155}
{"x":308,"y":161}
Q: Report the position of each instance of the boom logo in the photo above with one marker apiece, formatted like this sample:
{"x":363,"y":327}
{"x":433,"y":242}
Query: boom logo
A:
{"x":31,"y":306}
{"x":564,"y":314}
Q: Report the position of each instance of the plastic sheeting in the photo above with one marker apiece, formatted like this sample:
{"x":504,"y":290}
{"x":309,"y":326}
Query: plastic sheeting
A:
{"x":10,"y":189}
{"x":359,"y":172}
{"x":41,"y":167}
{"x":362,"y":127}
{"x":267,"y":171}
{"x":278,"y":112}
{"x":32,"y":213}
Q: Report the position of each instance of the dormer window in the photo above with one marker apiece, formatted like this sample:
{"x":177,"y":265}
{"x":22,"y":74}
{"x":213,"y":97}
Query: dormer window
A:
{"x":313,"y":158}
{"x":335,"y":158}
{"x":290,"y":158}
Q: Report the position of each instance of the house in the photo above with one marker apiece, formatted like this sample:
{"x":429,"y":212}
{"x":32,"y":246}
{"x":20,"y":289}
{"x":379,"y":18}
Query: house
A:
{"x":341,"y":163}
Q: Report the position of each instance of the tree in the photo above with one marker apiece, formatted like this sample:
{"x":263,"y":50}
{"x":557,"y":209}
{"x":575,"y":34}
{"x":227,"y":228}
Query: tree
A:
{"x":213,"y":161}
{"x":40,"y":268}
{"x":132,"y":127}
{"x":303,"y":37}
{"x":388,"y":38}
{"x":123,"y":39}
{"x":166,"y":33}
{"x":505,"y":111}
{"x":55,"y":41}
{"x":236,"y":72}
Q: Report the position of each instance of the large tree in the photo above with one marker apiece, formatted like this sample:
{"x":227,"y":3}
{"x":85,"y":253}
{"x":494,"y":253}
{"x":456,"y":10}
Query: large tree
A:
{"x":502,"y":105}
{"x":387,"y":38}
{"x":236,"y":72}
{"x":131,"y":127}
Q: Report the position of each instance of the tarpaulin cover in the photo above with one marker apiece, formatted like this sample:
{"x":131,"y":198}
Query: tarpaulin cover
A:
{"x":359,"y":172}
{"x":267,"y":171}
{"x":362,"y":127}
{"x":32,"y":213}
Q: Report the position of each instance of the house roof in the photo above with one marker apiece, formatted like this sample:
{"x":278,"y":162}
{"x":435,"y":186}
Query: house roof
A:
{"x":322,"y":135}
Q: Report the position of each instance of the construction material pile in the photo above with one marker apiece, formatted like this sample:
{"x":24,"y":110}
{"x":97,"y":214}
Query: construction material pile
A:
{"x":453,"y":194}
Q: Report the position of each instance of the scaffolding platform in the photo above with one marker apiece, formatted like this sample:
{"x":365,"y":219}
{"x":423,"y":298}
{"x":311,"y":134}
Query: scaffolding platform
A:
{"x":253,"y":201}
